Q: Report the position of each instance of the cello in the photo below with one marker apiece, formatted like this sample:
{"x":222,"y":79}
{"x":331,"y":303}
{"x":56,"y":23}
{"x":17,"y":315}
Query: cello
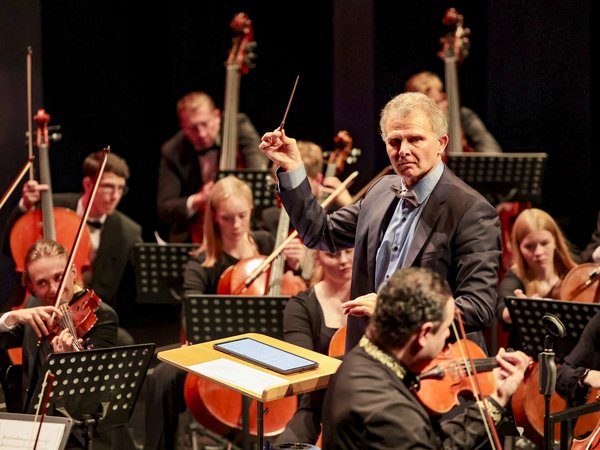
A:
{"x":219,"y":408}
{"x":239,"y":61}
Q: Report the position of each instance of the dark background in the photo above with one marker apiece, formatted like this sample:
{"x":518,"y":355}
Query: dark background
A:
{"x":111,"y":72}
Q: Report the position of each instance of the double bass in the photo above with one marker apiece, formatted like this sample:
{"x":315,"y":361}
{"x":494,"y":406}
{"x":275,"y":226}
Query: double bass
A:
{"x":239,"y":62}
{"x":455,"y":49}
{"x":59,"y":224}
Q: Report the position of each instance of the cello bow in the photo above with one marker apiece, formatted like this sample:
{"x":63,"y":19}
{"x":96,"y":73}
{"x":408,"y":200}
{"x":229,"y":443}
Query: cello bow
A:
{"x":17,"y":180}
{"x":269,"y":259}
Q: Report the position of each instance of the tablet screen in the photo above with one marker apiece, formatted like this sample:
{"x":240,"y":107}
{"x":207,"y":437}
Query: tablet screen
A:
{"x":266,"y":355}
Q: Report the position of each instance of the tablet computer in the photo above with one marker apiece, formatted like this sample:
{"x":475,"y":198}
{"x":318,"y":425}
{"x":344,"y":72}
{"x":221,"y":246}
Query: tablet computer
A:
{"x":265,"y":355}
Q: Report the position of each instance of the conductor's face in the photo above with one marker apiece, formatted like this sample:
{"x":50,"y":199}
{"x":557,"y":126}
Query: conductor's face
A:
{"x":412,"y":146}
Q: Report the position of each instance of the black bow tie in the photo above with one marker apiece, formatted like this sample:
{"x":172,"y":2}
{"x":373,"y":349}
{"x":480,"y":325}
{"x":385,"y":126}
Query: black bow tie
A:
{"x":94,"y":224}
{"x":406,"y":194}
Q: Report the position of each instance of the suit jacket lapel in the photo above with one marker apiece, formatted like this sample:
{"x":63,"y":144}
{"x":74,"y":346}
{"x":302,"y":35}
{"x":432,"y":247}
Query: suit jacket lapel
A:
{"x":429,"y":217}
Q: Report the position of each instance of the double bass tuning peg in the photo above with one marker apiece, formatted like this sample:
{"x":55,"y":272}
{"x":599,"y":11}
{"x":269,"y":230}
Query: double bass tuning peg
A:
{"x":53,"y":133}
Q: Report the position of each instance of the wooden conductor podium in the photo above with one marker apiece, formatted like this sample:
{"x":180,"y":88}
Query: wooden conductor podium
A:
{"x":255,"y":382}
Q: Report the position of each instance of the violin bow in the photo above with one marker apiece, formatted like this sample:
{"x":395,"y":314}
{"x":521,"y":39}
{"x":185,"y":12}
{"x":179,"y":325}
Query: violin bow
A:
{"x":490,"y":427}
{"x":29,"y":111}
{"x":16,"y":181}
{"x":269,"y":259}
{"x":82,"y":224}
{"x":43,"y":404}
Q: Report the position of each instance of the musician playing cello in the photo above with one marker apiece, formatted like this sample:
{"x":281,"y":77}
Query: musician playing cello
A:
{"x":228,"y":239}
{"x":371,"y":402}
{"x":45,"y":263}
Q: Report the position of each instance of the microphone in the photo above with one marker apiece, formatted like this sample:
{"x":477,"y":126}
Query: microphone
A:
{"x":554,"y":328}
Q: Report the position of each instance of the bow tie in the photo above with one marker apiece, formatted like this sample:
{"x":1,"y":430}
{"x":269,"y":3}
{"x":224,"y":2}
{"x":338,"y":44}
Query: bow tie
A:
{"x":95,"y":224}
{"x":406,"y":194}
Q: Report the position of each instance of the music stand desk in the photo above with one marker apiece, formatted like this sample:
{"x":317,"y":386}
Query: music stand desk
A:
{"x":298,"y":383}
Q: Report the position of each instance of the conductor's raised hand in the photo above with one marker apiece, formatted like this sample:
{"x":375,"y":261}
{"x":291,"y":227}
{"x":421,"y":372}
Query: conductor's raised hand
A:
{"x":281,"y":149}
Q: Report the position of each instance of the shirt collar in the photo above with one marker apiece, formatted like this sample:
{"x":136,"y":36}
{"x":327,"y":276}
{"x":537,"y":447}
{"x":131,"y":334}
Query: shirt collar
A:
{"x":425,"y":185}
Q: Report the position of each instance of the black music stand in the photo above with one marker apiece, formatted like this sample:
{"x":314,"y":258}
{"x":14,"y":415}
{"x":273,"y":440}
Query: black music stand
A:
{"x":502,"y":177}
{"x":262,"y":184}
{"x":159,"y":271}
{"x":97,"y":389}
{"x":210,"y":317}
{"x":527,"y":314}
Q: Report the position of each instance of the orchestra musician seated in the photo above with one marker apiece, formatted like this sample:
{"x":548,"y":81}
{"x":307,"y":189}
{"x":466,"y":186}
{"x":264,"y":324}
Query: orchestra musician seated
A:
{"x":39,"y":333}
{"x":228,"y":240}
{"x":113,"y":235}
{"x":541,"y":261}
{"x":372,"y":400}
{"x":310,"y":320}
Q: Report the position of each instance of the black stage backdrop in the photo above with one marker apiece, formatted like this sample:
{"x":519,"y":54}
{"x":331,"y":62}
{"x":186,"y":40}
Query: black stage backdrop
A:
{"x":113,"y":71}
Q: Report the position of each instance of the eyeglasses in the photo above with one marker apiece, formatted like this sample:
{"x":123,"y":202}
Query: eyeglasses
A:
{"x":110,"y":188}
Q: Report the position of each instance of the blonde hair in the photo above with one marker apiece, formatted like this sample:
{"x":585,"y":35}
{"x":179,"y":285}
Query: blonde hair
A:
{"x":312,"y":157}
{"x":407,"y":103}
{"x":534,"y":219}
{"x":42,"y":248}
{"x":223,"y":189}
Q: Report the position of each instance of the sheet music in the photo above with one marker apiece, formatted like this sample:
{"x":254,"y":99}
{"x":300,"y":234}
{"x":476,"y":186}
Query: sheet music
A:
{"x":238,"y":375}
{"x":20,"y":435}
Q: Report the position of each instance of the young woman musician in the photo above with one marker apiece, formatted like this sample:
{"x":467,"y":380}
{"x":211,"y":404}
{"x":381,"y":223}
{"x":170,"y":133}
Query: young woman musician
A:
{"x":309,"y":320}
{"x":541,"y":261}
{"x":227,"y":240}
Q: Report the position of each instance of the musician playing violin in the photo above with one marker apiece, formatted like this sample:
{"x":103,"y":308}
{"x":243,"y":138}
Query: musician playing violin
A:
{"x":190,"y":161}
{"x":113,"y":234}
{"x":44,"y":267}
{"x":371,"y":401}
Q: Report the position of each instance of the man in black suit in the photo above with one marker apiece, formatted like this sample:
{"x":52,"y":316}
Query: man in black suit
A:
{"x":423,"y":216}
{"x":113,"y":235}
{"x":190,"y":161}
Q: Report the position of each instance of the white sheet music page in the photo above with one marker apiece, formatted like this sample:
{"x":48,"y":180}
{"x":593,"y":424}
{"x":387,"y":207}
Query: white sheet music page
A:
{"x":20,"y":435}
{"x":238,"y":374}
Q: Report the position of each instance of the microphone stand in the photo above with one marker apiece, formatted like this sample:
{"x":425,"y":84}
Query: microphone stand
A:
{"x":547,"y":385}
{"x":554,"y":327}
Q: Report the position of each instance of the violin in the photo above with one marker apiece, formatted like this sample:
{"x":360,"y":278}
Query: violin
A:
{"x":79,"y":315}
{"x":447,"y":376}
